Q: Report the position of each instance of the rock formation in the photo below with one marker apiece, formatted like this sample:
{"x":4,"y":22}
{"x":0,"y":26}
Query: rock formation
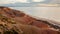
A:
{"x":15,"y":22}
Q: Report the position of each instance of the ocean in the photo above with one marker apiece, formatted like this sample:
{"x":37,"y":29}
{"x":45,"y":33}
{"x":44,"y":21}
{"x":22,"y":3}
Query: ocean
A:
{"x":52,"y":13}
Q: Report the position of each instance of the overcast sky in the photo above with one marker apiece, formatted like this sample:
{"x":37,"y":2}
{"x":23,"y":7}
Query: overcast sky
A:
{"x":21,"y":1}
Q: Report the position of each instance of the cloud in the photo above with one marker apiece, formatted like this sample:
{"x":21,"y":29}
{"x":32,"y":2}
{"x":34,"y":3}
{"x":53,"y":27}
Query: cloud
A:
{"x":12,"y":1}
{"x":47,"y":5}
{"x":38,"y":0}
{"x":23,"y":1}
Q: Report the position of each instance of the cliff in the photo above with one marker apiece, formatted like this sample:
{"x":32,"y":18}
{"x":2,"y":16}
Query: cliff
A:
{"x":16,"y":22}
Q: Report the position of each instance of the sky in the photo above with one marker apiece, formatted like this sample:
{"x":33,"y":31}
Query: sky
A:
{"x":38,"y":0}
{"x":21,"y":1}
{"x":26,"y":3}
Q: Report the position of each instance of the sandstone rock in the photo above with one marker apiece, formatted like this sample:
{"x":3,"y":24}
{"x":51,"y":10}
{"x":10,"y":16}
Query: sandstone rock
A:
{"x":16,"y":22}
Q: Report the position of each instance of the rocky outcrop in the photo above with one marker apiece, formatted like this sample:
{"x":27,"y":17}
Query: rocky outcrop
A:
{"x":20,"y":17}
{"x":15,"y":22}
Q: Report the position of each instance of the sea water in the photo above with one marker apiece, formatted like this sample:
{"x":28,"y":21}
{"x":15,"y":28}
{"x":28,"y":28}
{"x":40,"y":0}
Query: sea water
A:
{"x":52,"y":13}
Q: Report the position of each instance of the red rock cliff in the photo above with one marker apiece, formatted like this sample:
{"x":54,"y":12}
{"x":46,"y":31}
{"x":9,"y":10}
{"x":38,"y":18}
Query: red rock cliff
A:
{"x":20,"y":23}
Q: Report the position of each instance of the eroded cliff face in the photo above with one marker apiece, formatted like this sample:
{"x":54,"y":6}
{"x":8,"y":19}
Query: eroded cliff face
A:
{"x":20,"y":17}
{"x":15,"y":22}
